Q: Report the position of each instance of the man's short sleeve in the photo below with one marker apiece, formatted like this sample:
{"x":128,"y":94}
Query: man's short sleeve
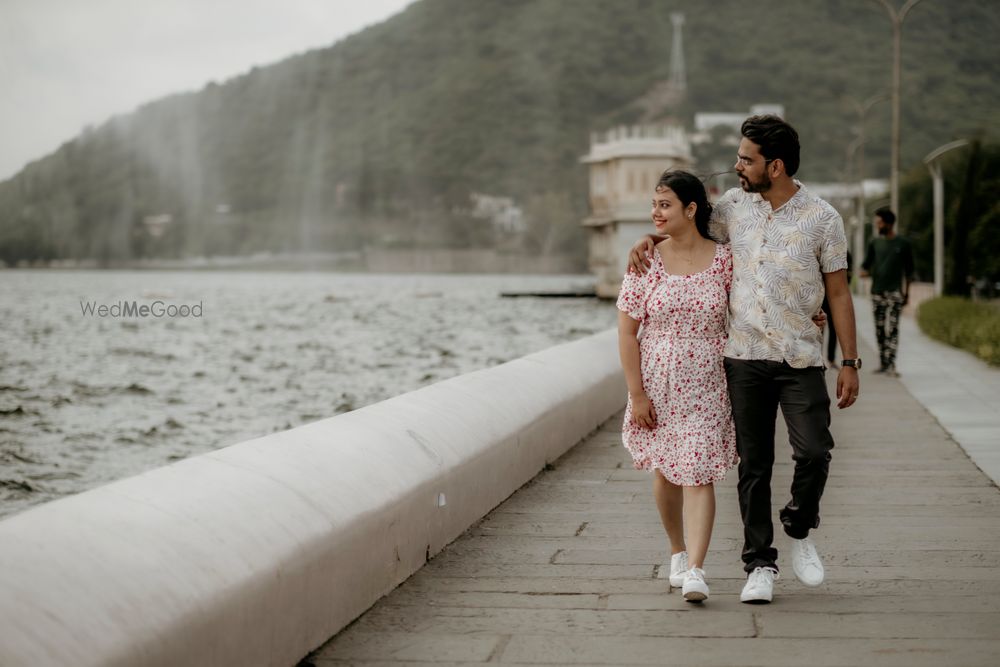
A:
{"x":833,"y":251}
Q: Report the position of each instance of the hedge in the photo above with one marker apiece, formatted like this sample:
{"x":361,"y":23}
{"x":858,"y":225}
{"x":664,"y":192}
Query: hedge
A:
{"x":971,"y":326}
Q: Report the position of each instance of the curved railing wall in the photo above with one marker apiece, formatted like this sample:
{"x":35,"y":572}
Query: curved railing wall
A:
{"x":258,"y":553}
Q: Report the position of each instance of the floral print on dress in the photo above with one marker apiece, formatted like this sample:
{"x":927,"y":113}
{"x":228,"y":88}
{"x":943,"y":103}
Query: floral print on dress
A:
{"x":681,"y":340}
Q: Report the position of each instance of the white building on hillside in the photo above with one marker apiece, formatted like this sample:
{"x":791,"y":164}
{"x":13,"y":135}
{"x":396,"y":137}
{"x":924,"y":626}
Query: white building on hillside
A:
{"x":705,"y":121}
{"x":625,"y":165}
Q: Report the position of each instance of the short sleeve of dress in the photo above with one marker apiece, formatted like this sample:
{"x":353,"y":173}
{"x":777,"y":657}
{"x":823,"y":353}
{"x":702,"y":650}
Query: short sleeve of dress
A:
{"x":632,"y":297}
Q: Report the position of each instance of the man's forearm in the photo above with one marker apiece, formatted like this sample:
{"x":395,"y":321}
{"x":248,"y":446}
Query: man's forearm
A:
{"x":842,"y":310}
{"x":838,"y":294}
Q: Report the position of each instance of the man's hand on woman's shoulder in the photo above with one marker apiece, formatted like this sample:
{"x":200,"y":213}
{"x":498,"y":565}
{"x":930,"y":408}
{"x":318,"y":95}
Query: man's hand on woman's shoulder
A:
{"x":640,"y":257}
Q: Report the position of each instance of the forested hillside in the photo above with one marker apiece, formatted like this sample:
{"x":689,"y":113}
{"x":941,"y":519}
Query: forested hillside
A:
{"x":380,"y":138}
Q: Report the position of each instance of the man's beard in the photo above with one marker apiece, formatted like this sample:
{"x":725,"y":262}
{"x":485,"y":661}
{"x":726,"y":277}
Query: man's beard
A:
{"x":763,"y":185}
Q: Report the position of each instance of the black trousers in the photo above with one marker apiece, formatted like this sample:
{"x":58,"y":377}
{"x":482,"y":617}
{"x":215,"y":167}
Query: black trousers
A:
{"x":756,"y":389}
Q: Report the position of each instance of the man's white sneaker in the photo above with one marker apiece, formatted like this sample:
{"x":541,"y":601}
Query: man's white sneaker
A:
{"x":806,"y":562}
{"x":678,"y":566}
{"x":695,"y":589}
{"x":759,"y":588}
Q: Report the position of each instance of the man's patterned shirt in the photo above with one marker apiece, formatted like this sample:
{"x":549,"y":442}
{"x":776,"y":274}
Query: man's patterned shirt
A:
{"x":779,"y":258}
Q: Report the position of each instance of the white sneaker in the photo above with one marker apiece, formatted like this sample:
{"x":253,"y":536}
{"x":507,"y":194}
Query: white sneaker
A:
{"x":759,"y":588}
{"x":695,"y":589}
{"x":806,"y":562}
{"x":678,"y":566}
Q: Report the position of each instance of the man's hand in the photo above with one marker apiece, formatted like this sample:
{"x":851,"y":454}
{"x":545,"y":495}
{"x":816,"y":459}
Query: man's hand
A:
{"x":642,"y":411}
{"x":848,"y":387}
{"x":819,"y":319}
{"x":640,"y":258}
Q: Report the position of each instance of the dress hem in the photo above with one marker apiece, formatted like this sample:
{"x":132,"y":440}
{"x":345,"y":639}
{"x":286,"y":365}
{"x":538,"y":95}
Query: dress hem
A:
{"x":667,"y":475}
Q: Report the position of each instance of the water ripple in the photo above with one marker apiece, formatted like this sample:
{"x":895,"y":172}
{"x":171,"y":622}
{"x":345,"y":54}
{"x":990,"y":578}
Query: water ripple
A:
{"x":87,"y":400}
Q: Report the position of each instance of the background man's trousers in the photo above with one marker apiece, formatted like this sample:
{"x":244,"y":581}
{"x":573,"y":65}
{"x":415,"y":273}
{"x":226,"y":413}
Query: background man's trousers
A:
{"x":886,"y":307}
{"x":756,"y":389}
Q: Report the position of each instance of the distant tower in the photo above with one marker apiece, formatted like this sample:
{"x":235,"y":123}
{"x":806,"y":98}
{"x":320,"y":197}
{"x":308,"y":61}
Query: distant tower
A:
{"x":663,"y":100}
{"x":678,"y":79}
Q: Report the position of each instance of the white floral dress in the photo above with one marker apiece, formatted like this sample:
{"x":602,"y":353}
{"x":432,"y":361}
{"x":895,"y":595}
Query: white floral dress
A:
{"x":682,"y":336}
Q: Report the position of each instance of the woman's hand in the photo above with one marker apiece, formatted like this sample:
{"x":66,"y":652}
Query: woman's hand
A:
{"x":642,"y":411}
{"x":819,"y":319}
{"x":639,"y":259}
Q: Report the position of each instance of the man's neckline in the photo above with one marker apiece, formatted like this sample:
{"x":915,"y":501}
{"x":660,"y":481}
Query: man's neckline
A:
{"x":759,"y":198}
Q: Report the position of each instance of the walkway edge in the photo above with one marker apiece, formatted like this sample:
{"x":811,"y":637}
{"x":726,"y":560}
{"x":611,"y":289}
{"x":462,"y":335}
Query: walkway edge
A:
{"x":959,"y":389}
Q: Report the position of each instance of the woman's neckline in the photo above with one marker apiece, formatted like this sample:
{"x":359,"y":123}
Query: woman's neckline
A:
{"x":711,"y":263}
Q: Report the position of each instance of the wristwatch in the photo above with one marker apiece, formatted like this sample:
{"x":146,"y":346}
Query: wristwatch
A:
{"x":852,"y":363}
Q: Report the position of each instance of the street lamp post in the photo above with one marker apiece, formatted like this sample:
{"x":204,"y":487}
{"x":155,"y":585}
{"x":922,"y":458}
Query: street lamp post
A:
{"x":897,"y":18}
{"x":862,"y":108}
{"x":934,"y":166}
{"x":858,"y":232}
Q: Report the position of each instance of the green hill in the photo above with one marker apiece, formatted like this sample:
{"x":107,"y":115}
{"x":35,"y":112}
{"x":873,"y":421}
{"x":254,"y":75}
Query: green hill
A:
{"x":380,"y":138}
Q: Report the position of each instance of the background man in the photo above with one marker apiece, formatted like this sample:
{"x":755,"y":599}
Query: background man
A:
{"x":889,"y":262}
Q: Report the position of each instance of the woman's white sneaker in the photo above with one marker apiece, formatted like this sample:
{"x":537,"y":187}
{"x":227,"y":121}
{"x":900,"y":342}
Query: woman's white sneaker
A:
{"x":695,"y":589}
{"x":678,"y":566}
{"x":806,"y":562}
{"x":759,"y":588}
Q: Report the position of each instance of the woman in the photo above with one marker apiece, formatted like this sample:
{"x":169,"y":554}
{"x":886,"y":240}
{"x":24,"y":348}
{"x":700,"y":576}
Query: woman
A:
{"x":679,"y":421}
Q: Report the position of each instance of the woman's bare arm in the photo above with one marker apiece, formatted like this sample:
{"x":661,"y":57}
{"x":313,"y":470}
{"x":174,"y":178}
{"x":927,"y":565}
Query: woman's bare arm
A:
{"x":628,"y":350}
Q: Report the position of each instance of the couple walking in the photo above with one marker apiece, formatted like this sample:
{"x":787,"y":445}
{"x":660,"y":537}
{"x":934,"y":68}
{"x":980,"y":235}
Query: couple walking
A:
{"x":729,"y":304}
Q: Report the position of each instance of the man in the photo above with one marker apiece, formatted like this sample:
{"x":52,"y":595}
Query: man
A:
{"x":789,"y":249}
{"x":889,"y":262}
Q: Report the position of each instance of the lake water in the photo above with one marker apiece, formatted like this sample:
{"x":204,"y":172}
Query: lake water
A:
{"x":86,"y":399}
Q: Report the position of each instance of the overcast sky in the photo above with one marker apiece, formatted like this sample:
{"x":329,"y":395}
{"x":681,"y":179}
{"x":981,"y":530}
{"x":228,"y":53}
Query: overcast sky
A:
{"x":65,"y":64}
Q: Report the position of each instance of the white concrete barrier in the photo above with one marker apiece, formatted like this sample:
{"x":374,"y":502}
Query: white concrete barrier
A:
{"x":258,"y":553}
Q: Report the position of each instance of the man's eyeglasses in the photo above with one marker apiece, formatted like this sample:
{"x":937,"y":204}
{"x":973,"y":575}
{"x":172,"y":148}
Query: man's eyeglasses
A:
{"x":747,"y":162}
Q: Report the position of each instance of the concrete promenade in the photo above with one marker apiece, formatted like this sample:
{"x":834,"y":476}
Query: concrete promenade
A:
{"x":570,"y":569}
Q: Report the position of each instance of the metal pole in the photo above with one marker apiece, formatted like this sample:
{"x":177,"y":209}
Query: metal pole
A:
{"x":859,"y":223}
{"x":859,"y":231}
{"x":938,"y":228}
{"x":894,"y":164}
{"x":859,"y":241}
{"x":897,"y":19}
{"x":936,"y":173}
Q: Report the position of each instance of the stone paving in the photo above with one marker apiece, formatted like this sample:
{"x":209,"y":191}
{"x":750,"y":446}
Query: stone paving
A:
{"x":570,"y":569}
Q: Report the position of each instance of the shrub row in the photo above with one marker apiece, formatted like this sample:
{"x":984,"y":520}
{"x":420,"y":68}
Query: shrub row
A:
{"x":971,"y":326}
